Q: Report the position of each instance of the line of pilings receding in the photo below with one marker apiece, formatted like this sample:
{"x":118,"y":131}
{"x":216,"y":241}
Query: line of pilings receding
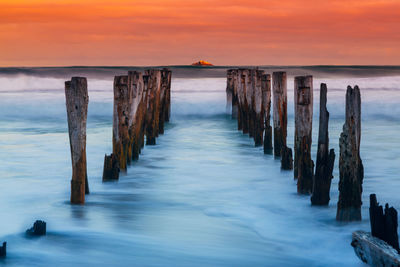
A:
{"x":142,"y":105}
{"x":249,"y":100}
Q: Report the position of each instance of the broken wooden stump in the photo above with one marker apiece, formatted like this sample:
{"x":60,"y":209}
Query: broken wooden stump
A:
{"x":111,"y":168}
{"x":266,"y":103}
{"x":350,"y":164}
{"x":123,"y":98}
{"x":279,"y":111}
{"x":38,"y":229}
{"x":374,"y":251}
{"x":3,"y":250}
{"x":325,"y":159}
{"x":286,"y":158}
{"x":384,"y":222}
{"x":77,"y":99}
{"x":303,"y":164}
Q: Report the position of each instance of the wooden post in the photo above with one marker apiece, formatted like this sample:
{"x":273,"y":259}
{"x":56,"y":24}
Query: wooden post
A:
{"x":248,"y":100}
{"x":111,"y":168}
{"x":325,"y":159}
{"x":280,"y":111}
{"x":168,"y":98}
{"x":3,"y":250}
{"x":135,"y":81}
{"x":165,"y":82}
{"x":384,"y":224}
{"x":266,"y":103}
{"x":235,"y":81}
{"x":229,"y":90}
{"x":351,"y":169}
{"x":303,"y":164}
{"x":77,"y":100}
{"x":286,"y":158}
{"x":241,"y":118}
{"x":152,"y":106}
{"x":258,"y":108}
{"x":122,"y":109}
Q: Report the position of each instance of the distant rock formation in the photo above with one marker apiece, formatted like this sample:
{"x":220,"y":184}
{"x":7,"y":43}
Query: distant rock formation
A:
{"x":202,"y":63}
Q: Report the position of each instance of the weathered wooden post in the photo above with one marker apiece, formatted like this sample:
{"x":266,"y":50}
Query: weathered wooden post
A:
{"x":266,"y":103}
{"x":325,"y":159}
{"x":111,"y":168}
{"x":135,"y":82}
{"x":122,"y":108}
{"x":229,"y":90}
{"x":235,"y":100}
{"x":280,"y":111}
{"x":351,"y":169}
{"x":163,"y":98}
{"x":152,"y":106}
{"x":303,"y":164}
{"x":258,"y":108}
{"x":3,"y":250}
{"x":168,"y":98}
{"x":241,"y":118}
{"x":286,"y":158}
{"x":77,"y":100}
{"x":249,"y":101}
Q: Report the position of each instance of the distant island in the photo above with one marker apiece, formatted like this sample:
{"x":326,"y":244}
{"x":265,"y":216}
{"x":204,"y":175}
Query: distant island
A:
{"x":202,"y":63}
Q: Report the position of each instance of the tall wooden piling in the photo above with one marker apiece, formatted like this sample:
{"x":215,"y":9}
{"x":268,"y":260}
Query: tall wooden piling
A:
{"x":152,"y":114}
{"x":77,"y":100}
{"x":168,"y":98}
{"x":229,"y":90}
{"x":350,"y":164}
{"x":235,"y":100}
{"x":137,"y":111}
{"x":266,"y":103}
{"x":258,"y":108}
{"x":325,"y":159}
{"x":121,"y":119}
{"x":303,"y":164}
{"x":280,"y":111}
{"x":163,"y":107}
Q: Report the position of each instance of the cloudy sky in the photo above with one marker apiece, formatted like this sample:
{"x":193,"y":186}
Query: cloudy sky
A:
{"x":224,"y":32}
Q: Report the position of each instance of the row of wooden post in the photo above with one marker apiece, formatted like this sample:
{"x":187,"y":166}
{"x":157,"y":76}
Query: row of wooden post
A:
{"x":249,"y":95}
{"x":142,"y":104}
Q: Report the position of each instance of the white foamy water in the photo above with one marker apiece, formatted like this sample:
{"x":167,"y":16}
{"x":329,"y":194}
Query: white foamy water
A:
{"x":203,"y":196}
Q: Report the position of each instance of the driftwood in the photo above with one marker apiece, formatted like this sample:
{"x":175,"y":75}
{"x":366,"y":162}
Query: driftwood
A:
{"x":350,"y":165}
{"x":325,"y":159}
{"x":374,"y":251}
{"x":384,"y":223}
{"x":3,"y":250}
{"x":38,"y":229}
{"x":77,"y":99}
{"x":303,"y":164}
{"x":266,"y":121}
{"x":111,"y":168}
{"x":279,"y":111}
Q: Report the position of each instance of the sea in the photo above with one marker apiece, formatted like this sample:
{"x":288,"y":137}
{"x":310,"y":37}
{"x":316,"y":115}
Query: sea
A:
{"x":203,"y":195}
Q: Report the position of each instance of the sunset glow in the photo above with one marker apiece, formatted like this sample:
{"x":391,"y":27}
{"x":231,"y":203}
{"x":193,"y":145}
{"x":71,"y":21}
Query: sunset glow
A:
{"x":173,"y":32}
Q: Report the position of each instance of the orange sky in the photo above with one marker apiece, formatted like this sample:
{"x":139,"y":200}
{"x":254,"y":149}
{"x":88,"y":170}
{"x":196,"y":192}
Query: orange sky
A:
{"x":224,"y":32}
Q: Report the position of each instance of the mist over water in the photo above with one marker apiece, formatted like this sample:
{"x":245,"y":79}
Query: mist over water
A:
{"x":203,"y":196}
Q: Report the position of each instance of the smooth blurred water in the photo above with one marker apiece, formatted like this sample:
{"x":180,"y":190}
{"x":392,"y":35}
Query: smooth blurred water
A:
{"x":203,"y":196}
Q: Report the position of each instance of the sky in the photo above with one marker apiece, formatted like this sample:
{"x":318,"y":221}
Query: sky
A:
{"x":180,"y":32}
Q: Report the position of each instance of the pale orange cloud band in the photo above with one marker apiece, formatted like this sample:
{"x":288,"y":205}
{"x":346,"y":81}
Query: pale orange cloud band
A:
{"x":57,"y":33}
